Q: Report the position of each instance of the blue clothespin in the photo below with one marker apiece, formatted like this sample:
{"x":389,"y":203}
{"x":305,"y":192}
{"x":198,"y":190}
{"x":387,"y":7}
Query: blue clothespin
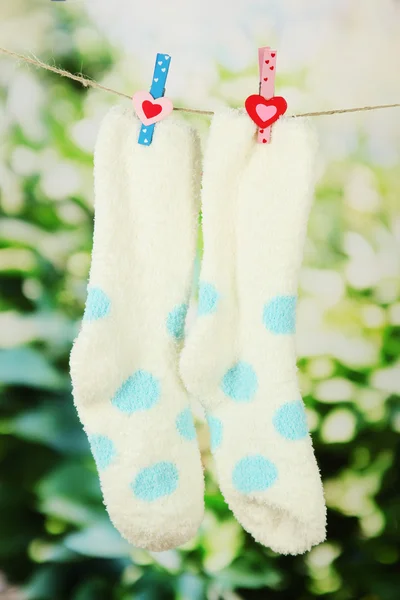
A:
{"x":147,"y":108}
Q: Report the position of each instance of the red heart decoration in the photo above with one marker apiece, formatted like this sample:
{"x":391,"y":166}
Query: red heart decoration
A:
{"x":265,"y":112}
{"x":151,"y":110}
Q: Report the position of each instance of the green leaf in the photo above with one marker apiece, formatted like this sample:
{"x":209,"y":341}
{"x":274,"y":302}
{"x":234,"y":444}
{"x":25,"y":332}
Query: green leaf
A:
{"x":190,"y":586}
{"x":53,"y":424}
{"x":71,"y":511}
{"x":71,"y":492}
{"x":101,"y":540}
{"x":70,"y":480}
{"x":27,"y":367}
{"x":45,"y":584}
{"x":95,"y":589}
{"x":238,"y":577}
{"x":43,"y":551}
{"x":222,"y":543}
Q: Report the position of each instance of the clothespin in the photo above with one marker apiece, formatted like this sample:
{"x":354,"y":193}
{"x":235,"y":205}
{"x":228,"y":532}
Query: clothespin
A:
{"x":264,"y":108}
{"x":152,"y":106}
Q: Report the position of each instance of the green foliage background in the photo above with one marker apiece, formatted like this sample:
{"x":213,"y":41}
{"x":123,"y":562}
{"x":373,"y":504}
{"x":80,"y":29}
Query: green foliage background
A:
{"x":56,"y":542}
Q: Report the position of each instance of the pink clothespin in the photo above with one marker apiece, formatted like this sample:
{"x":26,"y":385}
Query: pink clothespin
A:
{"x":267,"y":67}
{"x":264,"y":108}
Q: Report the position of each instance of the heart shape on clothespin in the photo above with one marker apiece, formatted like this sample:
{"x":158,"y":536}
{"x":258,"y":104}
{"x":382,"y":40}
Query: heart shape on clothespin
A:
{"x":149,"y":110}
{"x":265,"y":112}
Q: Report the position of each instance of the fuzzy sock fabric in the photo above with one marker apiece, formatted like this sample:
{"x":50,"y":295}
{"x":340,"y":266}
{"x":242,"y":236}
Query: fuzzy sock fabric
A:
{"x":239,"y":358}
{"x":124,"y":363}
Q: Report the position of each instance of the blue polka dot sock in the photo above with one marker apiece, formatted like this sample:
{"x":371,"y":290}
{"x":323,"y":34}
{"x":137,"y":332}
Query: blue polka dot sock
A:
{"x":239,"y":358}
{"x":124,"y":363}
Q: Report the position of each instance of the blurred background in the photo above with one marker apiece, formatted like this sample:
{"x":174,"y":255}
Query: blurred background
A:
{"x":56,"y":542}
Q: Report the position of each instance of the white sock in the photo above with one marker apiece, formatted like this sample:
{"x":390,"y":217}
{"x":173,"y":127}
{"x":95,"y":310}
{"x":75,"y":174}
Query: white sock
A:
{"x":124,"y":363}
{"x":239,"y":358}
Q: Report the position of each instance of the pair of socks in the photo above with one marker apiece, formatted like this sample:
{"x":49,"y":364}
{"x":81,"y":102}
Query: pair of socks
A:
{"x":133,"y":370}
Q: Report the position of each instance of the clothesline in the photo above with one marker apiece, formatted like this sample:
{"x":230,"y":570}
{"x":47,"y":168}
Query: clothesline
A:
{"x":93,"y":84}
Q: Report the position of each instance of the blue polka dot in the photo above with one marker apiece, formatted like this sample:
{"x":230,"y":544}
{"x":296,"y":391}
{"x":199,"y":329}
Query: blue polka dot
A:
{"x":215,"y":426}
{"x":176,"y":321}
{"x":156,"y":481}
{"x":290,"y":420}
{"x":103,"y":450}
{"x":185,"y":425}
{"x":254,"y":474}
{"x":208,"y":299}
{"x":240,"y":382}
{"x":97,"y":304}
{"x":280,"y":315}
{"x":139,"y":392}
